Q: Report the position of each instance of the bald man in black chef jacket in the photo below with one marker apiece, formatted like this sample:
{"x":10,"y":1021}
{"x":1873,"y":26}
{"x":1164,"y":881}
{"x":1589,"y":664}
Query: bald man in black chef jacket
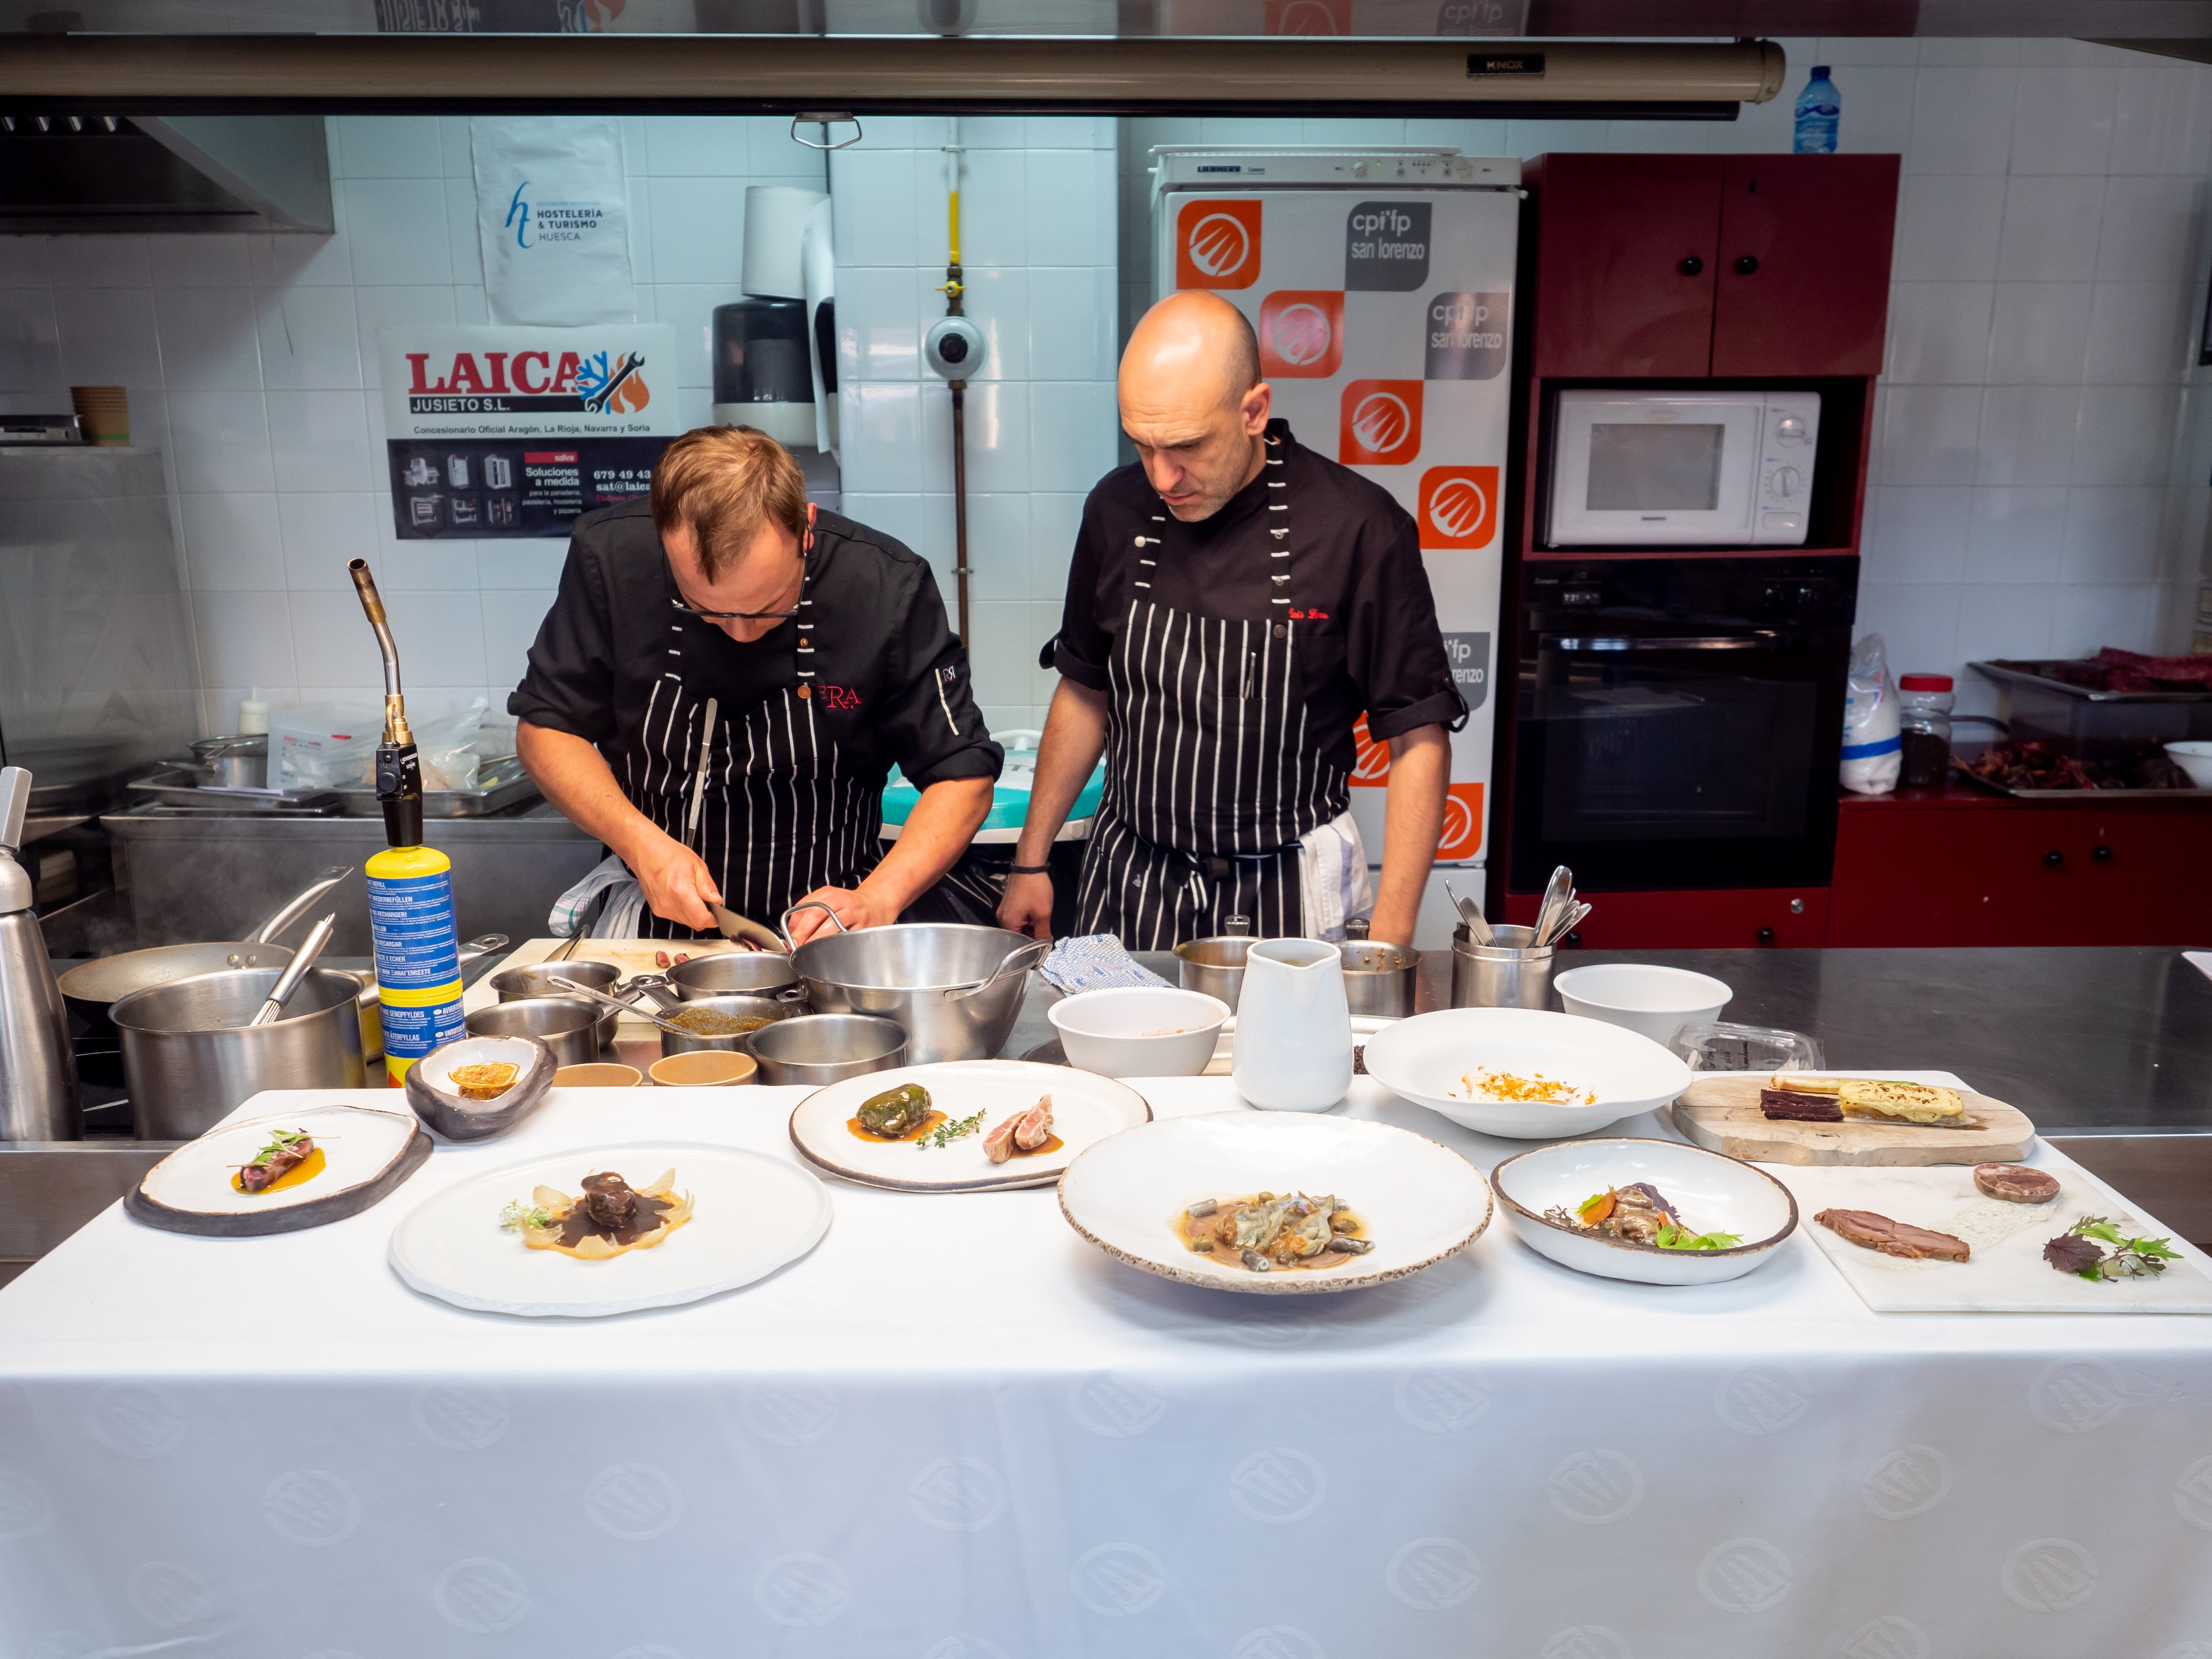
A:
{"x":1236,"y":601}
{"x":824,"y":648}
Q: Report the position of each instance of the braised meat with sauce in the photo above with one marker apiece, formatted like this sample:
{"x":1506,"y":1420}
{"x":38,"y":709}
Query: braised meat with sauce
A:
{"x":1870,"y":1231}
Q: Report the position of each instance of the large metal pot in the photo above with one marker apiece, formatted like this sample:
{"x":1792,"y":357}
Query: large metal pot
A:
{"x":820,"y":1048}
{"x":1216,"y":965}
{"x":91,"y":987}
{"x":763,"y":1008}
{"x":189,"y":1057}
{"x":956,"y":990}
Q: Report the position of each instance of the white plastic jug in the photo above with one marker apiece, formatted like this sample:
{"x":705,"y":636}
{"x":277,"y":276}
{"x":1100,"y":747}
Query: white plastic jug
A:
{"x":1293,"y":1048}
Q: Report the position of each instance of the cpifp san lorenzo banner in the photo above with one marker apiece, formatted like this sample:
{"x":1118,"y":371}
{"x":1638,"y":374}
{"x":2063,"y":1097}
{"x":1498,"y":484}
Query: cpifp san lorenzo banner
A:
{"x":494,"y":432}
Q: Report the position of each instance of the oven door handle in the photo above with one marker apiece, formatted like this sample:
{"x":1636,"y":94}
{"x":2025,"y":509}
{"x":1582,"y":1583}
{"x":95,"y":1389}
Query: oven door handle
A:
{"x":1766,"y":640}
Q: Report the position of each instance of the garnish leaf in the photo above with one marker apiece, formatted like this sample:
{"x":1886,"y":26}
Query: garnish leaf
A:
{"x":950,"y":1131}
{"x":518,"y":1215}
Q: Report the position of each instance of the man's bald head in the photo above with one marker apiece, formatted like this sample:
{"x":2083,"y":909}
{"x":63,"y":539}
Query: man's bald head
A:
{"x":1192,"y":348}
{"x":1192,"y":401}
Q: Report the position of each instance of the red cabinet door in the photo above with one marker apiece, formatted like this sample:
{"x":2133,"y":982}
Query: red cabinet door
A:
{"x":1625,"y":254}
{"x":1803,"y":279}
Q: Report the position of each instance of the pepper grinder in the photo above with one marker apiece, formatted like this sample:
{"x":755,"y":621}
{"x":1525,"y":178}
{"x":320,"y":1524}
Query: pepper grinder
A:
{"x":38,"y":1076}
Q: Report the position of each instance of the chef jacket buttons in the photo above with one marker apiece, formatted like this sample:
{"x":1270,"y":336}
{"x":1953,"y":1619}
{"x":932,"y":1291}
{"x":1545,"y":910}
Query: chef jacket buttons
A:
{"x":1280,"y":630}
{"x":804,"y":692}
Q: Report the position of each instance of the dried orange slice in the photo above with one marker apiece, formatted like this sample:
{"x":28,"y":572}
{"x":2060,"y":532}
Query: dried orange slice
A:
{"x":487,"y":1081}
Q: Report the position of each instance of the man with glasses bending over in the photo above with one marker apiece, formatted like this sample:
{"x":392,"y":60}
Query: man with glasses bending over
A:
{"x":722,"y":685}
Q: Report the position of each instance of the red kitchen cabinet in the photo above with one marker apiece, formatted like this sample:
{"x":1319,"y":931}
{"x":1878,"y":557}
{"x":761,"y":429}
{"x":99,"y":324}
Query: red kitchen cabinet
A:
{"x":1958,"y":869}
{"x":1690,"y":266}
{"x":1625,"y":247}
{"x":1803,"y":281}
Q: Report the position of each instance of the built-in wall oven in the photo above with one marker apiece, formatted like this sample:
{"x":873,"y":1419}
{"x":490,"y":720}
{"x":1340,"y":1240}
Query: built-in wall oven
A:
{"x":1677,"y":721}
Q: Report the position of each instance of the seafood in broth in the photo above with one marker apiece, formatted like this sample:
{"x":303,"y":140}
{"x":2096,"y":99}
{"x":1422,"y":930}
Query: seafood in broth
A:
{"x":1269,"y":1232}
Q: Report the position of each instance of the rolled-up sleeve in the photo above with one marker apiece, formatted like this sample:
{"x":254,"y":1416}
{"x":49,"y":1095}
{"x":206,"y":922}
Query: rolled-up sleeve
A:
{"x":1394,"y":650}
{"x":569,"y":686}
{"x":928,"y":717}
{"x":1084,"y":645}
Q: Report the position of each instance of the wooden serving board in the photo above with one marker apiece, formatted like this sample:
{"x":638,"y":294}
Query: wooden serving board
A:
{"x":1720,"y":1112}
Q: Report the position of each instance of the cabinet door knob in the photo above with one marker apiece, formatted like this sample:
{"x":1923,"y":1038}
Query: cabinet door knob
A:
{"x":2054,"y":858}
{"x":1766,"y":936}
{"x":1692,"y":266}
{"x":2103,"y":855}
{"x":1745,"y":263}
{"x":1573,"y":941}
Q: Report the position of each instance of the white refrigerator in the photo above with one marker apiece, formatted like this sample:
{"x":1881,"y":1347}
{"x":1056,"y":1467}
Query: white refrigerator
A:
{"x":1381,"y":285}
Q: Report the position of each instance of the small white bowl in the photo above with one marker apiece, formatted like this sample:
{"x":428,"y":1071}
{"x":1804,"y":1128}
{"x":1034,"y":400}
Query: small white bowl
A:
{"x":1425,"y":1057}
{"x":1714,"y":1194}
{"x":1141,"y":1030}
{"x":2194,"y":757}
{"x":1642,"y":996}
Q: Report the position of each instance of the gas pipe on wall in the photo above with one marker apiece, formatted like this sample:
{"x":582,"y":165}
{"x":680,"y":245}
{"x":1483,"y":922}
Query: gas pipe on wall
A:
{"x":955,"y":347}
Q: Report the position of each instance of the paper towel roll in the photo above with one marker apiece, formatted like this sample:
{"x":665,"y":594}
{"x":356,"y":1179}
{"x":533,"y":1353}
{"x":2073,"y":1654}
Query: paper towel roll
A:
{"x":776,"y":225}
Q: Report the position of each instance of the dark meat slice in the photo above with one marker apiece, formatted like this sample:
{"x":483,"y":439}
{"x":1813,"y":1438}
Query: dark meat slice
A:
{"x":1788,"y":1105}
{"x":1870,"y":1231}
{"x":2015,"y":1185}
{"x":259,"y":1177}
{"x":608,"y":1199}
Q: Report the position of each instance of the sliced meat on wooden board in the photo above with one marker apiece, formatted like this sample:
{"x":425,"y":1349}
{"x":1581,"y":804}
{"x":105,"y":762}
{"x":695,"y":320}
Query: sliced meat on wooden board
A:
{"x":1720,"y":1112}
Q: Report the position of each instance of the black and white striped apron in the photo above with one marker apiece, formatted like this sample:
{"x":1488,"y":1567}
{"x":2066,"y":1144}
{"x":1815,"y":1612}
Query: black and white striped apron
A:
{"x":1211,"y":776}
{"x":781,"y":813}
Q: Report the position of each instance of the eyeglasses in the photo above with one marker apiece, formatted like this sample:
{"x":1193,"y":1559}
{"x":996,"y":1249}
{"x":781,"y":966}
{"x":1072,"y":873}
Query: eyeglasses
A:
{"x":689,"y":609}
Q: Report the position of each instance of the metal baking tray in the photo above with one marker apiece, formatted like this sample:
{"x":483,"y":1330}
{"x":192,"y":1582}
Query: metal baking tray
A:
{"x":178,"y":786}
{"x":2032,"y":673}
{"x":1992,"y":788}
{"x":505,"y":785}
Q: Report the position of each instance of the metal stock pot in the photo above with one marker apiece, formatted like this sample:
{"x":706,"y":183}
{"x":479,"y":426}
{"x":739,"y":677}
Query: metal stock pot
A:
{"x":189,"y":1057}
{"x":956,"y":990}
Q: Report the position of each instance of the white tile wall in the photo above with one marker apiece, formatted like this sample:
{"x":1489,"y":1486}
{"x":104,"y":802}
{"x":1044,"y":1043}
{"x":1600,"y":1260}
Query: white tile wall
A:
{"x":1039,"y":250}
{"x":252,"y":360}
{"x":2042,"y":447}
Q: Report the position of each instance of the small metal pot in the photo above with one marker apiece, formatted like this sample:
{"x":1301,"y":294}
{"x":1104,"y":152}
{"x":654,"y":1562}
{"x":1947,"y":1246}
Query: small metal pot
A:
{"x":768,"y":1008}
{"x":819,"y":1048}
{"x":569,"y":1026}
{"x":1513,"y":973}
{"x":237,"y":763}
{"x":1379,"y":978}
{"x":726,"y":973}
{"x":1216,"y":965}
{"x":544,"y":980}
{"x":190,"y":1059}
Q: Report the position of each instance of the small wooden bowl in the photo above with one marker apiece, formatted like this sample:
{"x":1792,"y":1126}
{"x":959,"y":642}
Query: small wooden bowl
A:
{"x":599,"y":1074}
{"x":704,"y":1068}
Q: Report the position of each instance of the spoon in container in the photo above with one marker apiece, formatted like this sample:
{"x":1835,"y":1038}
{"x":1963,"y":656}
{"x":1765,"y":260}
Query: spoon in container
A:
{"x":597,"y":995}
{"x":1478,"y":926}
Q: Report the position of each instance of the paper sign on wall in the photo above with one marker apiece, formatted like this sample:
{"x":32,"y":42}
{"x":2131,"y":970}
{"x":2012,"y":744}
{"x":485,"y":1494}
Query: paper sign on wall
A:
{"x":553,"y":218}
{"x":498,"y":432}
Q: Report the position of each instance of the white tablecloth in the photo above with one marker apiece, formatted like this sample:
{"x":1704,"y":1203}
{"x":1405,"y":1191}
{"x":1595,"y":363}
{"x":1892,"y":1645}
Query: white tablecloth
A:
{"x":956,"y":1431}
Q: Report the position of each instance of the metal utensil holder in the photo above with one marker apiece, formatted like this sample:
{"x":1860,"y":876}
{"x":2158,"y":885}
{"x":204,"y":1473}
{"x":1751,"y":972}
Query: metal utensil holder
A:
{"x":1513,"y":973}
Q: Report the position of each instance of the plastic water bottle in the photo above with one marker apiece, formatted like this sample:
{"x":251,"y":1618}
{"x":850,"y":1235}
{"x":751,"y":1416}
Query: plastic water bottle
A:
{"x":1820,"y":108}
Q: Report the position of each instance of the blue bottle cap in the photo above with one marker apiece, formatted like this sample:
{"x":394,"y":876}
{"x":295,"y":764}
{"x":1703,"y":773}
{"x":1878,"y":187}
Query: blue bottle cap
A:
{"x":1820,"y":72}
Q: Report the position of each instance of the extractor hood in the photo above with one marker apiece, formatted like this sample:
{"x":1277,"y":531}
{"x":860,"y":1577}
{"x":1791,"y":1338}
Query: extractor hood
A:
{"x":78,"y":170}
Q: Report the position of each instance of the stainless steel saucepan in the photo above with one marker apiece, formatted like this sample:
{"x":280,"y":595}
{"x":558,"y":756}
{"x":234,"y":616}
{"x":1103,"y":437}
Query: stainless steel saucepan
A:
{"x":107,"y":979}
{"x":189,"y":1057}
{"x":956,"y":990}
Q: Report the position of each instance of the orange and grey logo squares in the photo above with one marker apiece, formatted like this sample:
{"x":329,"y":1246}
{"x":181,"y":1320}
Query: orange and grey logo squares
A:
{"x":1218,"y":244}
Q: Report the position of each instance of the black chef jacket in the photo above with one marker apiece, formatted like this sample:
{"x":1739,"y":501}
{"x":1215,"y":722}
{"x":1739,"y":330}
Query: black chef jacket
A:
{"x":1369,"y":636}
{"x":890,"y":681}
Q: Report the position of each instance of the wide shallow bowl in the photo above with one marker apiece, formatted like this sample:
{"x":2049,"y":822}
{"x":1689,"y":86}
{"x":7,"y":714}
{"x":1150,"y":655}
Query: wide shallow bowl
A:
{"x":2194,"y":757}
{"x":366,"y":1154}
{"x":752,"y":1214}
{"x":1143,"y":1030}
{"x":1644,"y":997}
{"x":1427,"y":1058}
{"x":1419,"y":1201}
{"x":1712,"y":1193}
{"x":430,"y":1091}
{"x":1085,"y":1110}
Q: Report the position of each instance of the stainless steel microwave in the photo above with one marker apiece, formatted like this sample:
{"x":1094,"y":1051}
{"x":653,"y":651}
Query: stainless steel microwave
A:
{"x":1676,"y":469}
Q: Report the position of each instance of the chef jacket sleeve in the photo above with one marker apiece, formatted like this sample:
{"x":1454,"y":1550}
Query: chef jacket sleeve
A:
{"x":569,"y":684}
{"x":1083,"y":644}
{"x":1394,"y":649}
{"x":927,"y":719}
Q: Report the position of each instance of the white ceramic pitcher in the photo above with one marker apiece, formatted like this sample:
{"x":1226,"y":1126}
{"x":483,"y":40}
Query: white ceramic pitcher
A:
{"x":1293,"y":1048}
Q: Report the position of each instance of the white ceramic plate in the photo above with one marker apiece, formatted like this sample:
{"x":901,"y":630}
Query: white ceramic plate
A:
{"x":1713,"y":1194}
{"x":751,"y":1215}
{"x":1425,"y":1057}
{"x":1419,"y":1201}
{"x":367,"y":1153}
{"x":1085,"y":1110}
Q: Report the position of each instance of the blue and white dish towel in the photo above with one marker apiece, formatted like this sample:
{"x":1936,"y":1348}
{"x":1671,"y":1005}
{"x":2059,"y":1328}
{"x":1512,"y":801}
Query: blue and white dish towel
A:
{"x":1095,"y":962}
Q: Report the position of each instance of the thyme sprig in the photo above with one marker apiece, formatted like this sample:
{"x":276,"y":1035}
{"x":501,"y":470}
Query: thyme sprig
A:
{"x":950,"y":1131}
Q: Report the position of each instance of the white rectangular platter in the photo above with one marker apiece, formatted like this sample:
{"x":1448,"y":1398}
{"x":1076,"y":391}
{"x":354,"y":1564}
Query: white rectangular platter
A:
{"x":2007,"y":1272}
